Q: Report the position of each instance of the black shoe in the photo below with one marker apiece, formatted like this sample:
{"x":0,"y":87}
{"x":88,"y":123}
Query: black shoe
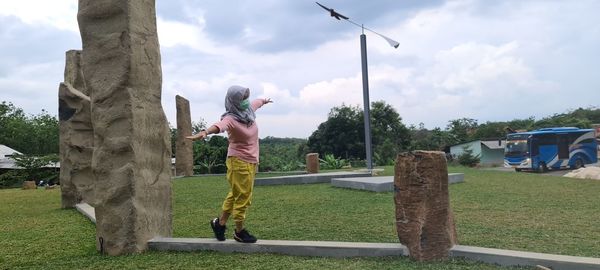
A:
{"x":218,"y":229}
{"x":244,"y":237}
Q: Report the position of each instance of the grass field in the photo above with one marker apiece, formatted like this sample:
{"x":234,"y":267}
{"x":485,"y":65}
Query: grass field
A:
{"x":520,"y":211}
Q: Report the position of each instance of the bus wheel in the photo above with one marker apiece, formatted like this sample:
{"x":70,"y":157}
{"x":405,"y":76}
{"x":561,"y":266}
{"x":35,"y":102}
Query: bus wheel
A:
{"x":578,"y":164}
{"x":542,"y":168}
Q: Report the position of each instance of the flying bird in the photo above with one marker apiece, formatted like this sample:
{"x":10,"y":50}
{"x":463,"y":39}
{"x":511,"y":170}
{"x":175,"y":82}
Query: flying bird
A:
{"x":333,"y":13}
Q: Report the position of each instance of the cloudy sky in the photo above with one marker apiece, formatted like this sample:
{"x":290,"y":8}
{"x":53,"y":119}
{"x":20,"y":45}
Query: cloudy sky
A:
{"x":487,"y":60}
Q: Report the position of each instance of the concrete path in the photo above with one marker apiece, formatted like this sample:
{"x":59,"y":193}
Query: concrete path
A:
{"x":381,"y":183}
{"x":307,"y":178}
{"x":550,"y":172}
{"x":298,"y":248}
{"x":361,"y":249}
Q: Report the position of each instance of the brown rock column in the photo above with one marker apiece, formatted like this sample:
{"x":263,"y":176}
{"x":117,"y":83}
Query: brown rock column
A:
{"x":76,"y":135}
{"x":132,"y":151}
{"x":423,"y":216}
{"x":312,"y":162}
{"x":184,"y":158}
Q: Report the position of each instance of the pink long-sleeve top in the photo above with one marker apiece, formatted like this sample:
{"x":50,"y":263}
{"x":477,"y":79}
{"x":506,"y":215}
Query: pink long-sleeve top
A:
{"x":243,"y":139}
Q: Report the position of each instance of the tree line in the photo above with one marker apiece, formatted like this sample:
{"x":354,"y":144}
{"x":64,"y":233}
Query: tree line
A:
{"x":28,"y":134}
{"x":340,"y":137}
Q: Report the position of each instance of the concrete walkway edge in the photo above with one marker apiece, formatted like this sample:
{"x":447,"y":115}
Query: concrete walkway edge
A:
{"x":298,"y":248}
{"x":361,"y":249}
{"x":87,"y":210}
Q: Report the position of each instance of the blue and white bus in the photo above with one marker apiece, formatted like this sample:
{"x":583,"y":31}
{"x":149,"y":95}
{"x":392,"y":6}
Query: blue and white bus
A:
{"x":551,"y":148}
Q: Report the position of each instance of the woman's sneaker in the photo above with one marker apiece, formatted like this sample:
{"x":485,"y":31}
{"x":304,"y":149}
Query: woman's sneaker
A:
{"x":244,"y":236}
{"x":218,"y":229}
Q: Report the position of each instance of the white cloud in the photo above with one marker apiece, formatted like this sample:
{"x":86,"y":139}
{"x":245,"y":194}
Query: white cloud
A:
{"x":467,"y":58}
{"x":61,"y":14}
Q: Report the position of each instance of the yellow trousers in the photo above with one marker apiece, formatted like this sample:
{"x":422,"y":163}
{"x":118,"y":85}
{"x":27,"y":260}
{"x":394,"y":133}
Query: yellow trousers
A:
{"x":240,"y":175}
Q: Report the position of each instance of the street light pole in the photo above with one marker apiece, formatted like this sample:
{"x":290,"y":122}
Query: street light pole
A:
{"x":366,"y":102}
{"x":365,"y":79}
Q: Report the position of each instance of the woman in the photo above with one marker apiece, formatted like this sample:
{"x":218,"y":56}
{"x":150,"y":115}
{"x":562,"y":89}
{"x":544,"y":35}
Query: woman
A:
{"x":242,"y":159}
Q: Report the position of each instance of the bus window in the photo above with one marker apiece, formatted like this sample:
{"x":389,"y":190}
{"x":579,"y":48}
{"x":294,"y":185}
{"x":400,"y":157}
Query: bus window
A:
{"x":563,"y":146}
{"x":546,"y":139}
{"x":535,"y":148}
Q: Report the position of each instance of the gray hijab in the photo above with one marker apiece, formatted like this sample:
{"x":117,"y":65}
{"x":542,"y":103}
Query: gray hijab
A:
{"x":235,"y":95}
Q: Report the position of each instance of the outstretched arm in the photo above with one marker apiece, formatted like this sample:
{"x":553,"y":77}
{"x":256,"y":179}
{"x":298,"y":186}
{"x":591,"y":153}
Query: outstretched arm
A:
{"x":202,"y":134}
{"x":257,"y":103}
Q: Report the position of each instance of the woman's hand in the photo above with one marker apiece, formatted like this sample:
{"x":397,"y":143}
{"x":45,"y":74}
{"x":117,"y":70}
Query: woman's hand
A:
{"x":201,"y":135}
{"x":268,"y":100}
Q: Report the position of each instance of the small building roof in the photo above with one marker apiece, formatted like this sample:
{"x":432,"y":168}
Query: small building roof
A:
{"x":7,"y":151}
{"x":489,"y":143}
{"x":5,"y":161}
{"x":496,"y":144}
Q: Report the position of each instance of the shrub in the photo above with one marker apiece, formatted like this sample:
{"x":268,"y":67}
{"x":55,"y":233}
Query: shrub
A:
{"x":12,"y":178}
{"x":330,"y":162}
{"x":467,"y":158}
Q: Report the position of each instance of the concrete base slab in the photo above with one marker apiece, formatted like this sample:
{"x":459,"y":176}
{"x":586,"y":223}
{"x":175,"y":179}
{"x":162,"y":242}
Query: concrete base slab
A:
{"x":514,"y":258}
{"x":298,"y":248}
{"x":360,"y":249}
{"x":311,"y":178}
{"x":87,"y":210}
{"x":381,"y":183}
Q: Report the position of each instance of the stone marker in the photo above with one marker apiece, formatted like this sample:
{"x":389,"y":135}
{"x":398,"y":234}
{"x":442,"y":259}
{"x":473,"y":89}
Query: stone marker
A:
{"x":423,"y":216}
{"x":132,"y":149}
{"x":312,"y":162}
{"x":184,"y":158}
{"x":29,"y":185}
{"x":76,"y":135}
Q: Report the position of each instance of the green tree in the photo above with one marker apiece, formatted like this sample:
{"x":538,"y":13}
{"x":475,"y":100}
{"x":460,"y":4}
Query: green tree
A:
{"x":461,"y":130}
{"x":563,"y":120}
{"x":34,"y":166}
{"x":490,"y":130}
{"x":34,"y":135}
{"x":424,"y":139}
{"x":210,"y":155}
{"x":196,"y":127}
{"x":342,"y":135}
{"x":281,"y":154}
{"x":13,"y":127}
{"x":389,"y":135}
{"x":466,"y":158}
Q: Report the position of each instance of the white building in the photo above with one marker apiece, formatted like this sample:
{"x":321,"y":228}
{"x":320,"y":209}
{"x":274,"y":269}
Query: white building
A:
{"x":491,"y":152}
{"x":5,"y":161}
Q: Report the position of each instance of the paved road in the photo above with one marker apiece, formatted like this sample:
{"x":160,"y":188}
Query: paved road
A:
{"x":556,"y":173}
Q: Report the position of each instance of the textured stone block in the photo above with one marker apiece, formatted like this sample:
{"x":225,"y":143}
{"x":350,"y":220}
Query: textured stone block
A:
{"x":76,"y":135}
{"x":423,"y":216}
{"x":29,"y":185}
{"x":184,"y":158}
{"x":312,"y":162}
{"x":132,"y":149}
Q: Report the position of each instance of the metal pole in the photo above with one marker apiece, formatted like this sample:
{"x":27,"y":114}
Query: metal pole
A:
{"x":367,"y":114}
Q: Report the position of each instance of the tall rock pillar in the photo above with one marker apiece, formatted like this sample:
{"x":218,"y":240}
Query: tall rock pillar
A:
{"x":132,"y":152}
{"x":184,"y":158}
{"x":76,"y":135}
{"x":423,"y":216}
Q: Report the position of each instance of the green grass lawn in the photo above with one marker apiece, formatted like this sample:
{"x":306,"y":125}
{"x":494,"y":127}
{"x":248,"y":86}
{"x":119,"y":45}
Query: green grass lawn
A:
{"x":520,"y":211}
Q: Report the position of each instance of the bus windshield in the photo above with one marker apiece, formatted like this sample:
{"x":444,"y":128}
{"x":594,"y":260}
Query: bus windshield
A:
{"x":516,"y":148}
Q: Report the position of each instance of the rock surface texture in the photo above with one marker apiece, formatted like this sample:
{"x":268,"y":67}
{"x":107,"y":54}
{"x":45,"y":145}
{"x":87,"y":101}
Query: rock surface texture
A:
{"x":76,"y":135}
{"x":132,"y":150}
{"x":423,"y":216}
{"x":184,"y":158}
{"x":312,"y":162}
